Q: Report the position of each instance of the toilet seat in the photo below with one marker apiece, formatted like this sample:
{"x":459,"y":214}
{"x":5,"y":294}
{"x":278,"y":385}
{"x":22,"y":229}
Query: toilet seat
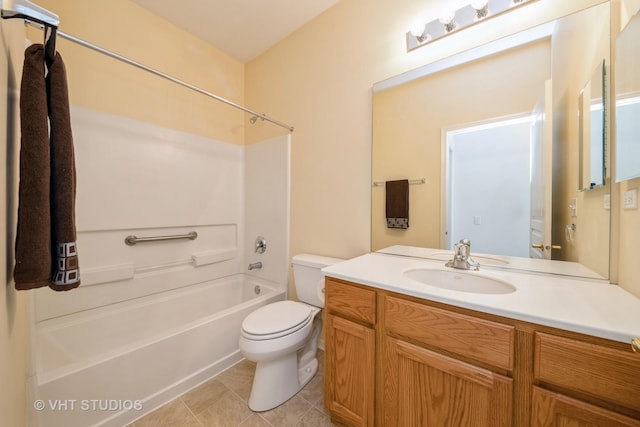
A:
{"x":276,"y":320}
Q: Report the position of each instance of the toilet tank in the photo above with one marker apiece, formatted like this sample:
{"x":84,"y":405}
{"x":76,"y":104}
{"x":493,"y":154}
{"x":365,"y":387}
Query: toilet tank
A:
{"x":308,"y":277}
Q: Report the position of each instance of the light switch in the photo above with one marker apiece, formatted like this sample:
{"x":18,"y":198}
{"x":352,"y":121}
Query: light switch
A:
{"x":607,"y":201}
{"x":477,"y":219}
{"x":573,"y":208}
{"x":630,"y":199}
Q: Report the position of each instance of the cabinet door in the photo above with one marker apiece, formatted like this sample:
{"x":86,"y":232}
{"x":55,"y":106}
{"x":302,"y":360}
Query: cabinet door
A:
{"x":556,"y":410}
{"x":349,"y":371}
{"x":425,"y":388}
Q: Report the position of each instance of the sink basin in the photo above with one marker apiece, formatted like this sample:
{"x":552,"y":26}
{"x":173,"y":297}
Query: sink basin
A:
{"x":461,"y":281}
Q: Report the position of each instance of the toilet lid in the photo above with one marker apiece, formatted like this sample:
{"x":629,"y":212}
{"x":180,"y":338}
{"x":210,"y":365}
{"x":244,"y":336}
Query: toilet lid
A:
{"x":276,"y":317}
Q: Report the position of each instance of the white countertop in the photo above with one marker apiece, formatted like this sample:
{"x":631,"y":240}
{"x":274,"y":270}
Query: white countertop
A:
{"x":590,"y":307}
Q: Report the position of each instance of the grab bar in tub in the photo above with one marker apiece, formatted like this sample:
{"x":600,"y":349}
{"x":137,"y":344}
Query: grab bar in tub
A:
{"x":132,"y":240}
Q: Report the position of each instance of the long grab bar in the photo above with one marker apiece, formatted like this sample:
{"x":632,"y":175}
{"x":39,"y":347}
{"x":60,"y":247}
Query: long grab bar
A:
{"x":132,"y":240}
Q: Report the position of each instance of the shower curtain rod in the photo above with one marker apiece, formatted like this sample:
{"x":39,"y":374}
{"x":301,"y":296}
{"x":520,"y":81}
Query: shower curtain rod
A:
{"x":171,"y":78}
{"x":46,"y":20}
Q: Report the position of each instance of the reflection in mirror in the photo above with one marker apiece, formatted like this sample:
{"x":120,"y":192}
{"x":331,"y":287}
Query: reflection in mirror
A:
{"x":628,"y":101}
{"x":591,"y":131}
{"x":496,"y":138}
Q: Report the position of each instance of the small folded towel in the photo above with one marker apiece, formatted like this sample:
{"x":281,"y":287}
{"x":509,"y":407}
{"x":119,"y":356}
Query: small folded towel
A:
{"x":66,"y":274}
{"x":397,"y":203}
{"x":33,"y":236}
{"x":45,"y":238}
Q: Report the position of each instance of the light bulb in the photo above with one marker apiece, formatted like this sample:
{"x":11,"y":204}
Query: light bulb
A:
{"x":481,"y":7}
{"x":418,"y":31}
{"x":447,"y":18}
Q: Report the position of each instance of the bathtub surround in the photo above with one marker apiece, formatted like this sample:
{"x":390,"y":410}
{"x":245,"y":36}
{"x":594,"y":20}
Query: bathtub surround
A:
{"x":182,"y":299}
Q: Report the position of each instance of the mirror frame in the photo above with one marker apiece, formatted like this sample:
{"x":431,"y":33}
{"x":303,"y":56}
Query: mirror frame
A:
{"x":627,"y":99}
{"x":589,"y":138}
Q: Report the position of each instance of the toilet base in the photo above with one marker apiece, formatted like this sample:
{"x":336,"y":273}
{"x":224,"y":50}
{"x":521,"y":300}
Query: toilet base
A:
{"x":277,"y":381}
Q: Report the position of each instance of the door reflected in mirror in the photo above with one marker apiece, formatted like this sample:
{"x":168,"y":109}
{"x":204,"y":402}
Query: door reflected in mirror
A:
{"x":487,"y":186}
{"x":628,"y":101}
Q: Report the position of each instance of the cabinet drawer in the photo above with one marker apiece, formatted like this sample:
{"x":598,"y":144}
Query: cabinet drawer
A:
{"x":478,"y":339}
{"x":350,"y":301}
{"x":605,"y":373}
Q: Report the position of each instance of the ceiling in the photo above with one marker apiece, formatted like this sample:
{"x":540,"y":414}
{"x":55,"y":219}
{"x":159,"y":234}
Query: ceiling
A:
{"x":242,"y":29}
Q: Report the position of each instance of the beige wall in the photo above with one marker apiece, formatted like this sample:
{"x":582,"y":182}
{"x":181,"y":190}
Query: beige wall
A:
{"x":319,"y":79}
{"x":408,"y":121}
{"x":13,"y":304}
{"x":102,"y":83}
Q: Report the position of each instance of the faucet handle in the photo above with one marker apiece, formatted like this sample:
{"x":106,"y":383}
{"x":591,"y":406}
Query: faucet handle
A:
{"x":459,"y":250}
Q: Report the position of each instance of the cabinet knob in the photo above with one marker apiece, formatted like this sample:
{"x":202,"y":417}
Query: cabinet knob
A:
{"x":635,"y":345}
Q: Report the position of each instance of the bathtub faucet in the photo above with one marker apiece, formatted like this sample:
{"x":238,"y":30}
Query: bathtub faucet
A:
{"x":255,"y":265}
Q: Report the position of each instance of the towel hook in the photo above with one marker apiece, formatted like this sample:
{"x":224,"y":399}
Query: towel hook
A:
{"x":49,"y":44}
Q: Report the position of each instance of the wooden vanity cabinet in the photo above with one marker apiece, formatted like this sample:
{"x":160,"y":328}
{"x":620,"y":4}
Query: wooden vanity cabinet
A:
{"x":581,"y":383}
{"x":437,"y":365}
{"x":426,"y":382}
{"x":349,"y":359}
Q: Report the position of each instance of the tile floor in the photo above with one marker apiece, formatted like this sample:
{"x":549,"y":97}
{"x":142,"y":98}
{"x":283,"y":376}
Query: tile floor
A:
{"x":222,"y":401}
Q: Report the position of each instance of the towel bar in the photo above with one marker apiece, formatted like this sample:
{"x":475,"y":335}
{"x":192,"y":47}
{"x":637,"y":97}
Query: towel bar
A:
{"x":132,"y":240}
{"x":411,"y":182}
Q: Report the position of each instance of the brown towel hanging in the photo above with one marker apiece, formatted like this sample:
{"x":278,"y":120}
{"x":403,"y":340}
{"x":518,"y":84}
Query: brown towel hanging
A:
{"x":397,"y":203}
{"x":45,"y":237}
{"x":33,"y":236}
{"x":66,"y":274}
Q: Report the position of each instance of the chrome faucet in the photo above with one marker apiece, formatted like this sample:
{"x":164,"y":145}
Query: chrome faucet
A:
{"x":255,"y":265}
{"x":462,"y":256}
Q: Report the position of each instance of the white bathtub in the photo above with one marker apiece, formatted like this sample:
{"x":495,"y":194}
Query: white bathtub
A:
{"x":108,"y":366}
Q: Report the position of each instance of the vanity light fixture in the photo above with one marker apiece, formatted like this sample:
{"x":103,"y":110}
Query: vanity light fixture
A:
{"x":451,"y":21}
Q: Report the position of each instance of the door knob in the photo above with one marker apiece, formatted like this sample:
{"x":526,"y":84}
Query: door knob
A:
{"x":545,"y":247}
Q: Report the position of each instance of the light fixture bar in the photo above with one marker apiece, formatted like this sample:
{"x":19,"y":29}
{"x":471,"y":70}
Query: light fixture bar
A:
{"x":467,"y":16}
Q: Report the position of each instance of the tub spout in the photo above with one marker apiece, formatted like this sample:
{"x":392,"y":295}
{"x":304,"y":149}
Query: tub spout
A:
{"x":255,"y":265}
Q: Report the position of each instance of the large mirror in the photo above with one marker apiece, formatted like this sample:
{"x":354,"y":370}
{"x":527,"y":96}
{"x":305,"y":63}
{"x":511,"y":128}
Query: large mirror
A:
{"x":628,"y":101}
{"x":489,"y":145}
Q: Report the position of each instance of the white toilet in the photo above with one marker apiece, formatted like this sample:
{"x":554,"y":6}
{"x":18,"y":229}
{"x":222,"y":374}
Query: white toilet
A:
{"x":282,"y":337}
